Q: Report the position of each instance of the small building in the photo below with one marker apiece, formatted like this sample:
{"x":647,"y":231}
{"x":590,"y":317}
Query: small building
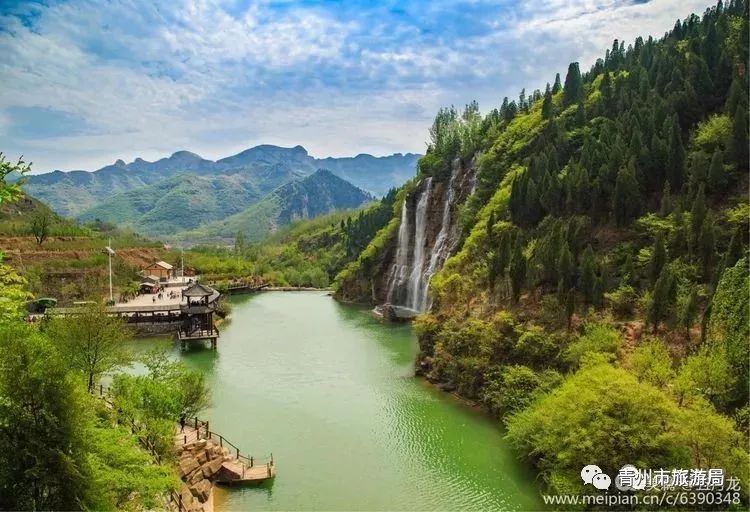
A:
{"x":198,"y":314}
{"x":160,"y":269}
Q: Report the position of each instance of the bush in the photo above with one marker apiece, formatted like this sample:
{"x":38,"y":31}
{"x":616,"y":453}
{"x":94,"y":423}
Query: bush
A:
{"x":603,"y":415}
{"x":598,"y":338}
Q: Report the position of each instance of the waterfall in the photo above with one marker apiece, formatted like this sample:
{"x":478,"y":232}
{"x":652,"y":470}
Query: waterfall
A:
{"x":417,"y":289}
{"x":418,"y":255}
{"x":401,"y":266}
{"x":442,"y":243}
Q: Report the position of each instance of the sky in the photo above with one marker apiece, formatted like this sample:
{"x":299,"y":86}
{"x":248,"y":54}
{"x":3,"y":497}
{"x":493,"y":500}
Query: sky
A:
{"x":86,"y":82}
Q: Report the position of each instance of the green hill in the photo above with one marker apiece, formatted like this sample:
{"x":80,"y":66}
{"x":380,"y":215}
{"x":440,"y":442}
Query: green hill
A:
{"x":186,"y":201}
{"x":320,"y":193}
{"x":595,"y":299}
{"x":259,"y":169}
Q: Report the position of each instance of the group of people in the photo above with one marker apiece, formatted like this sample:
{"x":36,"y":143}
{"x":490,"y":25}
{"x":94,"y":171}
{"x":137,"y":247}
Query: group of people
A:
{"x":160,"y":295}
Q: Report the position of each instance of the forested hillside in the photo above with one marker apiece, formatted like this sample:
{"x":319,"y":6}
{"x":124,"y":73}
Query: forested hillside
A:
{"x":597,"y":298}
{"x":138,"y":193}
{"x":317,"y":194}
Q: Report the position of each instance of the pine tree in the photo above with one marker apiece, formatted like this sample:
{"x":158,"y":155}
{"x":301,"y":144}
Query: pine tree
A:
{"x":739,"y":138}
{"x":689,"y":310}
{"x":491,"y":229}
{"x":717,"y":178}
{"x":573,"y":91}
{"x":658,"y":259}
{"x":675,"y":156}
{"x":698,"y":214}
{"x":580,"y":118}
{"x":626,"y":201}
{"x":707,"y":245}
{"x":547,"y":104}
{"x":517,"y":271}
{"x":661,"y":298}
{"x":557,"y":86}
{"x":493,"y":269}
{"x":734,"y":251}
{"x":666,"y":200}
{"x":565,"y":266}
{"x":587,"y":274}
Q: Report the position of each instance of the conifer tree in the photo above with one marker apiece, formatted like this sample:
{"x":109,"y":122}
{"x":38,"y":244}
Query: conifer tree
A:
{"x":689,"y":310}
{"x":491,"y":229}
{"x":547,"y":104}
{"x":626,"y":202}
{"x":666,"y":200}
{"x":573,"y":91}
{"x":587,"y":274}
{"x":580,"y":118}
{"x":707,"y":245}
{"x":565,"y":267}
{"x":698,"y":213}
{"x":517,"y":271}
{"x":557,"y":86}
{"x":740,"y":138}
{"x":675,"y":156}
{"x":734,"y":251}
{"x":661,"y":298}
{"x":658,"y":259}
{"x":717,"y":178}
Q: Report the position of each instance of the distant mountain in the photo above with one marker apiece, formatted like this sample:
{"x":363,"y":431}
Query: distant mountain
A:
{"x":316,"y":194}
{"x":186,"y":201}
{"x":79,"y":192}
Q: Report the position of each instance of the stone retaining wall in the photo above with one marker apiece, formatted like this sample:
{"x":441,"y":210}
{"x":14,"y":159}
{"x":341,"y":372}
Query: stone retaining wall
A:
{"x":198,"y":463}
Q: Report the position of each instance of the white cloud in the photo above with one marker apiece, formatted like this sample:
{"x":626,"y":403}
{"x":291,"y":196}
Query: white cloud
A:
{"x":151,"y":77}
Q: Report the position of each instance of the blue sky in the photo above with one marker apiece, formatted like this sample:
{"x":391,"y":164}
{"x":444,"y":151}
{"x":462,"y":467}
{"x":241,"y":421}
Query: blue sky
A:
{"x":84,"y":82}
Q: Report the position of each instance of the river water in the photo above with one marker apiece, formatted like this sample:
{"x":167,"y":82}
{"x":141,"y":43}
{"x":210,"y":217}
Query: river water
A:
{"x":329,"y":390}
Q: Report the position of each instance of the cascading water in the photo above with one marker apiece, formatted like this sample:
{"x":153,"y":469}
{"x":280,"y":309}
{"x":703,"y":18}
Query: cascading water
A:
{"x":417,"y":290}
{"x":442,"y":244}
{"x":419,"y":253}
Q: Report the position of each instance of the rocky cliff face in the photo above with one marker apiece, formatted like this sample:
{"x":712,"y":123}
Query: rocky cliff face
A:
{"x":428,"y":234}
{"x":417,"y":246}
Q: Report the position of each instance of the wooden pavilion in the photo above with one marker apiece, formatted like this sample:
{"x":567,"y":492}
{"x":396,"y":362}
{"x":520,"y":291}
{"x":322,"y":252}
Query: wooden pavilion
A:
{"x":198,"y":314}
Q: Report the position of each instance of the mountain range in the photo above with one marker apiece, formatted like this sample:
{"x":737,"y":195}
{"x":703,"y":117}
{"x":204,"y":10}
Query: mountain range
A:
{"x":185,"y":192}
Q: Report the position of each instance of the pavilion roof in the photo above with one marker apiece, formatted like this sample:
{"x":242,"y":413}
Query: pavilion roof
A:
{"x":198,"y":290}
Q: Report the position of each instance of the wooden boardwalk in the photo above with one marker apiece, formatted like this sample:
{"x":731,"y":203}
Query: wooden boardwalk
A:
{"x":237,"y":467}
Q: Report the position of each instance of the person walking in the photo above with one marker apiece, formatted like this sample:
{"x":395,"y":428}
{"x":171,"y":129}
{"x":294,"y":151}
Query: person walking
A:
{"x":182,"y":423}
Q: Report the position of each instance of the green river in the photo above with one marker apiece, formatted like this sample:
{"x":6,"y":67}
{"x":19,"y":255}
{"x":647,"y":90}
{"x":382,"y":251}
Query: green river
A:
{"x":330,"y":391}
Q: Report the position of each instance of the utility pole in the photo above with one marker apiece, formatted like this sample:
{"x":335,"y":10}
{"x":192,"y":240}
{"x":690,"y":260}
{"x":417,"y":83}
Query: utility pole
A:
{"x":110,"y":253}
{"x":182,"y":264}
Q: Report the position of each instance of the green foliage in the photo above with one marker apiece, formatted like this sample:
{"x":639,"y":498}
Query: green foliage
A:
{"x":42,"y":425}
{"x":91,"y":342}
{"x":160,"y":398}
{"x":606,"y":415}
{"x":651,"y":363}
{"x":729,"y":325}
{"x":123,"y":476}
{"x":597,"y":338}
{"x":706,"y":374}
{"x":11,"y":191}
{"x":13,"y":294}
{"x":514,"y":387}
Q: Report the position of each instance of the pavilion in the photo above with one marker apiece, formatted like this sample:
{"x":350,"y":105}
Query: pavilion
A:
{"x":198,"y":314}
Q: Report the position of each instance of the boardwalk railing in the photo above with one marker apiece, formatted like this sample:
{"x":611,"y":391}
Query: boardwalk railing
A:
{"x":200,"y":430}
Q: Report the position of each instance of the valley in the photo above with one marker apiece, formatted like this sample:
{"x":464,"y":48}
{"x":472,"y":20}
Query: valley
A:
{"x":560,"y":282}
